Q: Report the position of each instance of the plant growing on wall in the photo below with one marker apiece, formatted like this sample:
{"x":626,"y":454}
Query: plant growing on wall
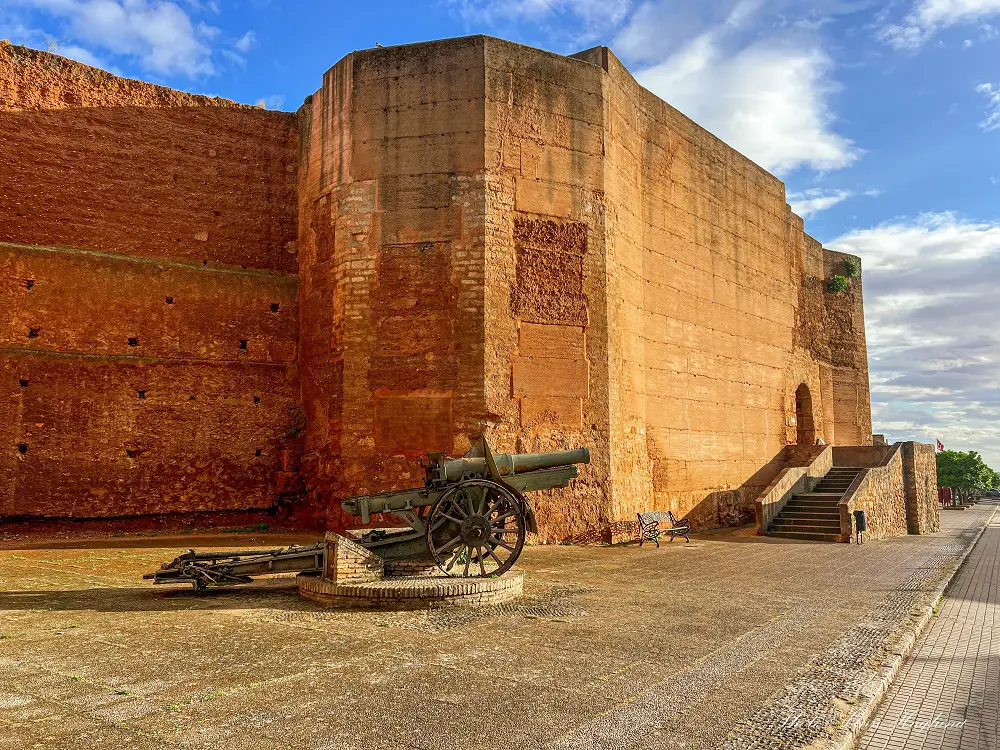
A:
{"x":965,"y":473}
{"x":851,"y":268}
{"x":837,"y":284}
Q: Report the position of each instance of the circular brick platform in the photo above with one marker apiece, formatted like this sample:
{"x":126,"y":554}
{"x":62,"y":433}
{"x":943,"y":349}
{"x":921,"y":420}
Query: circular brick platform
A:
{"x":413,"y":592}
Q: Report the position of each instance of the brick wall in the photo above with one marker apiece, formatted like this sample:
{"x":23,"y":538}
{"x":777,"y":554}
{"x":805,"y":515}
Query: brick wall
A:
{"x":148,"y":341}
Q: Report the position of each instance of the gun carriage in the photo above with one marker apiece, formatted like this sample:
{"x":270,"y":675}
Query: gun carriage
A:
{"x":471,"y":517}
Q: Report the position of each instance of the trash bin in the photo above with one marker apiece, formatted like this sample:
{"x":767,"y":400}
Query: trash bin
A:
{"x":860,"y":525}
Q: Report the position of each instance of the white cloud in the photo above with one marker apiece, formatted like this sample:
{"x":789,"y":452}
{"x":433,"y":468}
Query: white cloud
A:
{"x":592,"y":18}
{"x":927,"y":17}
{"x":246,"y":42}
{"x":753,"y":73}
{"x":812,"y":201}
{"x":992,"y":92}
{"x":768,"y":100}
{"x":158,"y":34}
{"x":931,"y":307}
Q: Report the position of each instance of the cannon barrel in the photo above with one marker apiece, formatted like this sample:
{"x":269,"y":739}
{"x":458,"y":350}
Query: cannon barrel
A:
{"x":453,"y":469}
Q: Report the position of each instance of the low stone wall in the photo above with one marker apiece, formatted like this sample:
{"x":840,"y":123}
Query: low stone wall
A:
{"x":923,"y":511}
{"x":878,"y":490}
{"x":805,"y":466}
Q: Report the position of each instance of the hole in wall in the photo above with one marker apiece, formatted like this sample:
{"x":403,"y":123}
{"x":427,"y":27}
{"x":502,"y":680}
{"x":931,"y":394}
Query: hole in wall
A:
{"x":258,"y":452}
{"x":29,"y":283}
{"x":133,"y":341}
{"x":205,"y":262}
{"x":192,"y":398}
{"x":33,"y":333}
{"x":170,"y":300}
{"x":217,"y":213}
{"x":25,"y":382}
{"x":256,"y":399}
{"x":22,"y":448}
{"x":134,"y":452}
{"x":142,"y":394}
{"x":275,"y":307}
{"x":243,"y":344}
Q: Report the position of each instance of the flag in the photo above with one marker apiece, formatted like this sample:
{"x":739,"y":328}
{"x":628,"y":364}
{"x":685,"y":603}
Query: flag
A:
{"x":940,"y":446}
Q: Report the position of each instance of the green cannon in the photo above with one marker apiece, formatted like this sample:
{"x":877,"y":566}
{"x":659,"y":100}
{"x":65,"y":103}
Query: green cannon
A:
{"x":471,"y":517}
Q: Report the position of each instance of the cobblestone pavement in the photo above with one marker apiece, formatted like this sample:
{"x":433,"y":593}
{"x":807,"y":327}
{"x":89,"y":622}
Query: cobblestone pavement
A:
{"x":947,"y":695}
{"x":729,"y":639}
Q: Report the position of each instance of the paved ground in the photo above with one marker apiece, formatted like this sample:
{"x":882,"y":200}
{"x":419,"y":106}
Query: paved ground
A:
{"x":730,"y":639}
{"x":947,"y":695}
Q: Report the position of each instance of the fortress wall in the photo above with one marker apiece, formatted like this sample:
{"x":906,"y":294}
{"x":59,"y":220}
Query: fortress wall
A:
{"x":702,"y":238}
{"x":391,"y":229}
{"x":648,"y":274}
{"x":845,"y":321}
{"x":149,"y":332}
{"x":548,"y":369}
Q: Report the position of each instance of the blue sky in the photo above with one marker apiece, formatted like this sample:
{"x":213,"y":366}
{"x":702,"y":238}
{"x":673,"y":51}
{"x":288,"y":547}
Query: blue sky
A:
{"x":882,"y":118}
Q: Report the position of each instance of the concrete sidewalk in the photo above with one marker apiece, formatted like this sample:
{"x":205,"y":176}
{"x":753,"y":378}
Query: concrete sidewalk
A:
{"x":947,"y":695}
{"x":737,"y":639}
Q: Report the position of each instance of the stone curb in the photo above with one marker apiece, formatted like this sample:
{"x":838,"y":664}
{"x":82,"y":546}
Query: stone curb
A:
{"x":874,"y":691}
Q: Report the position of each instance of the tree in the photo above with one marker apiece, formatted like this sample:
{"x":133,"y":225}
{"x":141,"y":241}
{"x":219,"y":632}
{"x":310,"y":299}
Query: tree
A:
{"x":965,"y":473}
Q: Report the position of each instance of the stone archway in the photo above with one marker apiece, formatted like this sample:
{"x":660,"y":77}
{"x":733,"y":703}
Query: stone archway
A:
{"x":805,"y":424}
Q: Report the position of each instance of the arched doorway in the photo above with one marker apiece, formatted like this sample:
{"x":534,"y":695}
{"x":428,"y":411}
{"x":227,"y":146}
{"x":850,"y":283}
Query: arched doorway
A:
{"x":805,"y":426}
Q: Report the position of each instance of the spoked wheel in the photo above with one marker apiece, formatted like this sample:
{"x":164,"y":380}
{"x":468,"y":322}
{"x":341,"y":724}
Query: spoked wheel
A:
{"x":476,"y":528}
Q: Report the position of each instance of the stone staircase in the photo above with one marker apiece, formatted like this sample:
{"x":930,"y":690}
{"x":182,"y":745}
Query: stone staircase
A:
{"x":815,"y":515}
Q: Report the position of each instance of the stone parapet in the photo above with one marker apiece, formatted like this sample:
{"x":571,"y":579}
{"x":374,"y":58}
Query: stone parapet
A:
{"x":878,"y":490}
{"x":923,"y":511}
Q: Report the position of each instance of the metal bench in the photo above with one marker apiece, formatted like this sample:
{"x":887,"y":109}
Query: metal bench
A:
{"x":650,"y":531}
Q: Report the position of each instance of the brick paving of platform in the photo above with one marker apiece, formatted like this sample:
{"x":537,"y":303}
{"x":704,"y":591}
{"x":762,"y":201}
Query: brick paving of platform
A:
{"x":947,"y":695}
{"x":731,"y":636}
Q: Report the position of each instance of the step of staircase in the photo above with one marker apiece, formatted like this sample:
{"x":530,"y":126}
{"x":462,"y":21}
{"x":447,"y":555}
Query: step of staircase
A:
{"x":799,"y":500}
{"x":811,"y":514}
{"x":805,"y":536}
{"x":809,"y":527}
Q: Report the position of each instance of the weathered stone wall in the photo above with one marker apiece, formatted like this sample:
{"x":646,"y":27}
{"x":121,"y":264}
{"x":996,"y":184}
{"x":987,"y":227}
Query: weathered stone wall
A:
{"x":149,"y":327}
{"x":391,"y":234}
{"x":880,"y":490}
{"x":654,"y":297}
{"x":548,"y":366}
{"x":923,"y":510}
{"x":844,"y":320}
{"x":489,"y":237}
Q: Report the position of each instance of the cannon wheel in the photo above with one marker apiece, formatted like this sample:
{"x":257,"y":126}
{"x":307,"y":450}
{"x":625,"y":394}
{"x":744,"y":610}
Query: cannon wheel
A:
{"x":476,"y":528}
